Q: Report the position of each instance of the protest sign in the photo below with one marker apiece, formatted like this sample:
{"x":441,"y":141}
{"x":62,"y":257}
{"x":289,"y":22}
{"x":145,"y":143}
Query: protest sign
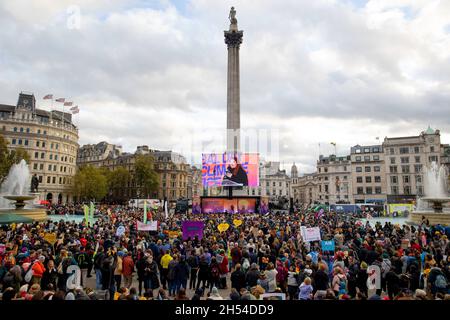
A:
{"x":328,"y":245}
{"x":312,"y":234}
{"x":192,"y":229}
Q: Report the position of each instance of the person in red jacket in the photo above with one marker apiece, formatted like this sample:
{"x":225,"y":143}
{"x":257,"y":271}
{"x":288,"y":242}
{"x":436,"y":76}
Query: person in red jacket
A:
{"x":223,"y":269}
{"x":127,"y":269}
{"x":38,"y":270}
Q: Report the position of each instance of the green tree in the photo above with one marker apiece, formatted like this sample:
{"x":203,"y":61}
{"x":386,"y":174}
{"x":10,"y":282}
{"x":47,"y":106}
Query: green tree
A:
{"x":146,"y":178}
{"x":90,"y":183}
{"x":10,"y":157}
{"x":118,"y":181}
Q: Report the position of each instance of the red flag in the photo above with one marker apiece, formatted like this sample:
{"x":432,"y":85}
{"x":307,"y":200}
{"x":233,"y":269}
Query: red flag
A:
{"x":48,"y":96}
{"x":60,"y":100}
{"x":68,"y":104}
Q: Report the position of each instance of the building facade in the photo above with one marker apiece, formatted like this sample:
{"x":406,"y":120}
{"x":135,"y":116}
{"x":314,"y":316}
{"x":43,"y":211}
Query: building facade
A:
{"x":334,"y":179}
{"x":305,"y":191}
{"x":171,"y":167}
{"x":273,"y":182}
{"x":51,"y":140}
{"x":368,"y":174}
{"x":405,"y":158}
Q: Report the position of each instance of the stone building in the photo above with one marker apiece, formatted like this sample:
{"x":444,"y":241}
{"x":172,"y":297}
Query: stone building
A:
{"x":405,"y":157}
{"x":51,"y":140}
{"x":305,"y":191}
{"x":368,"y":174}
{"x":334,"y":179}
{"x":171,"y":167}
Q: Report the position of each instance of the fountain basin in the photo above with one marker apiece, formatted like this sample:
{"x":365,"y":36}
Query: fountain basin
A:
{"x":434,"y":218}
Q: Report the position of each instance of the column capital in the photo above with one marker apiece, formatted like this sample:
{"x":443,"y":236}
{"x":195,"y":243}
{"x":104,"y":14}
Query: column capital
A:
{"x":233,"y":39}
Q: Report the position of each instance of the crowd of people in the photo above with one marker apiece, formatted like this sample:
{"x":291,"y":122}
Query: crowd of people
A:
{"x":264,"y":254}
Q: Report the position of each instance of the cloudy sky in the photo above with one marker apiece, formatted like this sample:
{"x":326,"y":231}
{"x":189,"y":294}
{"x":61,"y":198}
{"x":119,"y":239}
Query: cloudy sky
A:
{"x":154,"y":72}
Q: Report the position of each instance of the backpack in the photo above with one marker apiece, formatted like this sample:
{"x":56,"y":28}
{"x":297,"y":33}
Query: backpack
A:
{"x":440,"y":282}
{"x":215,"y":271}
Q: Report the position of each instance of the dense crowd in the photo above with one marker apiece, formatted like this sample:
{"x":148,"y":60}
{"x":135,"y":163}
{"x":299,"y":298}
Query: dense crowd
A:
{"x":264,"y":254}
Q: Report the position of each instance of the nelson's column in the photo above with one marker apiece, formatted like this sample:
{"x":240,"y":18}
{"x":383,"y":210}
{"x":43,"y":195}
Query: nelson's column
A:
{"x":233,"y":39}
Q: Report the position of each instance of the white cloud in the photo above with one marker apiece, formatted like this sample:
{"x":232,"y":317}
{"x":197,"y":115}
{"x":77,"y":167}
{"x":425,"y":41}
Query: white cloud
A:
{"x":153,"y":73}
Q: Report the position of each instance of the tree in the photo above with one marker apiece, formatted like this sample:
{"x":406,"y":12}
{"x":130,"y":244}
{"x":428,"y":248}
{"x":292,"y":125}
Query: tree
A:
{"x":10,"y":157}
{"x":146,"y":178}
{"x":90,"y":183}
{"x":118,"y":181}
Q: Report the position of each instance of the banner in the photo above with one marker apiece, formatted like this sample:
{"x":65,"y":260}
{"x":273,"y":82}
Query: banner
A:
{"x":196,"y":205}
{"x":224,"y":169}
{"x":192,"y":229}
{"x":149,"y":226}
{"x":264,"y":205}
{"x":145,"y":212}
{"x":92,"y":210}
{"x":328,"y":245}
{"x":400,"y":208}
{"x":86,"y":213}
{"x":312,"y":234}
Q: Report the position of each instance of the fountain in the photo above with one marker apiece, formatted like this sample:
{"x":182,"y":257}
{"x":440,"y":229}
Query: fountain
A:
{"x":432,"y":206}
{"x":15,"y":188}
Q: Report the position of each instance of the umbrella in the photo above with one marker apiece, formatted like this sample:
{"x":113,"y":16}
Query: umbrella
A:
{"x":8,"y":218}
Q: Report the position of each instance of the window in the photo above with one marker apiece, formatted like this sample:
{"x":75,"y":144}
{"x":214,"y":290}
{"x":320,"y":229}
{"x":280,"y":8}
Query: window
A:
{"x":360,"y":190}
{"x":15,"y":129}
{"x":394,"y":179}
{"x":345,"y":168}
{"x":345,"y":177}
{"x":45,"y":131}
{"x":20,"y":141}
{"x":41,"y":166}
{"x":418,"y":179}
{"x":358,"y":158}
{"x":394,"y":190}
{"x":51,"y":145}
{"x":369,"y":190}
{"x":319,"y":170}
{"x":60,"y":180}
{"x":274,"y":183}
{"x":49,"y":167}
{"x":42,"y":155}
{"x":420,"y":190}
{"x":50,"y":156}
{"x":392,"y":151}
{"x":404,"y":159}
{"x":36,"y":155}
{"x":57,"y":146}
{"x":21,"y":129}
{"x":54,"y":167}
{"x":432,"y":149}
{"x":28,"y":130}
{"x":367,"y":169}
{"x":368,"y":179}
{"x":417,"y":159}
{"x":366,"y":158}
{"x":405,"y":179}
{"x":267,"y":184}
{"x":326,"y":178}
{"x":13,"y":141}
{"x":417,"y":168}
{"x":358,"y":169}
{"x":416,"y":150}
{"x":26,"y":142}
{"x":376,"y":158}
{"x":40,"y":179}
{"x":280,"y":184}
{"x":37,"y":143}
{"x":376,"y":149}
{"x":320,"y":188}
{"x":56,"y":157}
{"x":35,"y":166}
{"x":326,"y":169}
{"x":39,"y":131}
{"x":48,"y":179}
{"x":377,"y":179}
{"x":54,"y":180}
{"x":43,"y":144}
{"x":433,"y":158}
{"x":407,"y":190}
{"x":366,"y":150}
{"x":404,"y":150}
{"x":378,"y":190}
{"x":377,"y":168}
{"x":326,"y":188}
{"x":405,"y":169}
{"x":392,"y":160}
{"x":359,"y":179}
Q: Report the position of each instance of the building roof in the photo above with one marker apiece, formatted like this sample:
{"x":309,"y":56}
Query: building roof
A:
{"x":430,"y":131}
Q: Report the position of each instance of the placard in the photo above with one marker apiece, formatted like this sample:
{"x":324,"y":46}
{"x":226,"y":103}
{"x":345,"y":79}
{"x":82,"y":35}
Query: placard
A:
{"x":328,"y":245}
{"x":149,"y":226}
{"x":312,"y":234}
{"x":50,"y":238}
{"x":191,"y":229}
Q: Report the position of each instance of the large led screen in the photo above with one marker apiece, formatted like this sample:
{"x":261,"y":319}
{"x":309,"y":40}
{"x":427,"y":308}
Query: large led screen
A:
{"x":236,"y":170}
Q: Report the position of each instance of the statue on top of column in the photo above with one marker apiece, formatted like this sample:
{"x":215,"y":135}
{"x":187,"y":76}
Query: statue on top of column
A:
{"x":233,"y":20}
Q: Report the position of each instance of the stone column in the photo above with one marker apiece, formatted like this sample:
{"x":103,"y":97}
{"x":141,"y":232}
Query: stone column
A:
{"x":233,"y":39}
